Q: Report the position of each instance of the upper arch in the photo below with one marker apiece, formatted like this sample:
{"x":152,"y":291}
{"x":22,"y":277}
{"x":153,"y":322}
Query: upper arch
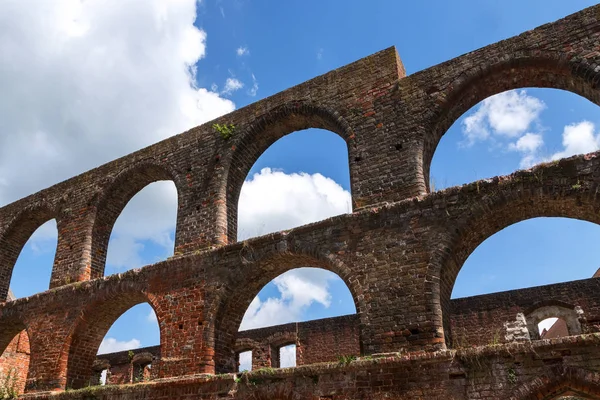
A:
{"x":517,"y":70}
{"x":266,"y":130}
{"x":113,"y":199}
{"x":17,"y":233}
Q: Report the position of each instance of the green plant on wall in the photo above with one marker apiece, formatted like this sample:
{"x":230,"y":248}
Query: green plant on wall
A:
{"x":225,"y":130}
{"x":8,"y":384}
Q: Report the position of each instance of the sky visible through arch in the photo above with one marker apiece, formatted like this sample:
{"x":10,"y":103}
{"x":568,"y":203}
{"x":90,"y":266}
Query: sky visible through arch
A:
{"x":89,"y":82}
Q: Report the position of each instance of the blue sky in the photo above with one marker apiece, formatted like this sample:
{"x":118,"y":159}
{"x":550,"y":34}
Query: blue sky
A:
{"x":242,"y":51}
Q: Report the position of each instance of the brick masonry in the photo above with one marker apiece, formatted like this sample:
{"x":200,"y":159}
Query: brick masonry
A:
{"x":399,"y":252}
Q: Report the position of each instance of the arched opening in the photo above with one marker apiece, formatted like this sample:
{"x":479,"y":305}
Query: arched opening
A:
{"x":504,"y":256}
{"x":514,"y":130}
{"x":33,"y":268}
{"x":138,"y":215}
{"x":512,"y":73}
{"x":129,"y":346}
{"x":552,"y":327}
{"x":305,"y":171}
{"x":29,"y":241}
{"x":301,"y":178}
{"x":119,"y":334}
{"x":284,"y":295}
{"x":144,"y":232}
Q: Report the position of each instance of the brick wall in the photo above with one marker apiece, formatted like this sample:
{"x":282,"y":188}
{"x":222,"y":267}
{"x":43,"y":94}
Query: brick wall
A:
{"x":481,"y":320}
{"x":14,"y":363}
{"x":399,"y":252}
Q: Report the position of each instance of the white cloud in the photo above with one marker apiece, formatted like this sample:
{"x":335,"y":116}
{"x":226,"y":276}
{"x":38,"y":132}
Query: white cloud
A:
{"x":508,"y":114}
{"x":298,"y":289}
{"x":287,"y":356}
{"x":112,"y":345}
{"x":254,"y":89}
{"x":245,"y":361}
{"x":528,"y":145}
{"x":90,"y":81}
{"x":272,"y":201}
{"x":151,"y":317}
{"x":578,"y":138}
{"x":242,"y":51}
{"x":231,"y":85}
{"x":530,"y":142}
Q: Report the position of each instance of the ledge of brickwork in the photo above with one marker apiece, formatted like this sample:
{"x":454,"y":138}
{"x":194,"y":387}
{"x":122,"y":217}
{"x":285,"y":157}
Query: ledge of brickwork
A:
{"x":366,"y":377}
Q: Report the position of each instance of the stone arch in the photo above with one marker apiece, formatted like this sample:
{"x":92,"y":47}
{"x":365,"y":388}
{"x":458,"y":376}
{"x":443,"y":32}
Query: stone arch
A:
{"x":18,"y":231}
{"x":516,"y":70}
{"x":237,"y":293}
{"x":559,"y":381}
{"x":253,"y":141}
{"x":567,"y":313}
{"x":92,"y":325}
{"x":113,"y":200}
{"x":491,"y":210}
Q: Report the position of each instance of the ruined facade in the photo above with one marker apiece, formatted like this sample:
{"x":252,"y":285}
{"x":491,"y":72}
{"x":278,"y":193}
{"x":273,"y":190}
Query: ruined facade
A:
{"x":399,"y":252}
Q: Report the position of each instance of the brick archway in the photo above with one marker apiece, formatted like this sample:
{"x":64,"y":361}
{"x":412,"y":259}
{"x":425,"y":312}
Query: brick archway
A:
{"x":231,"y":304}
{"x":524,"y":196}
{"x":253,"y":141}
{"x":113,"y":200}
{"x":514,"y":71}
{"x":91,"y":327}
{"x":17,"y":232}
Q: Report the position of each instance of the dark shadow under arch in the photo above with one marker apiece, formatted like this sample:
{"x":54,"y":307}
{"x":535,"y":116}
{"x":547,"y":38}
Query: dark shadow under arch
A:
{"x":16,"y":236}
{"x":230,"y":306}
{"x":257,"y":138}
{"x":91,"y":328}
{"x":112,"y":202}
{"x":516,"y":71}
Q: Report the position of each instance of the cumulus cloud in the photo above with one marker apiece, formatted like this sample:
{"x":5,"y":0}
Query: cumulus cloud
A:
{"x":578,"y":138}
{"x":231,"y":85}
{"x":298,"y":290}
{"x":112,"y":345}
{"x":508,"y":114}
{"x":528,"y":145}
{"x":89,"y":81}
{"x":272,"y":201}
{"x":242,"y":51}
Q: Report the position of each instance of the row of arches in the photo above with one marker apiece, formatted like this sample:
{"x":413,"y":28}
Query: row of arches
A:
{"x":519,"y":71}
{"x":92,"y":330}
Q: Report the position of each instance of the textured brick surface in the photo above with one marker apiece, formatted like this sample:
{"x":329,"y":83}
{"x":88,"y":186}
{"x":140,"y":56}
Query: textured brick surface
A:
{"x":399,"y":252}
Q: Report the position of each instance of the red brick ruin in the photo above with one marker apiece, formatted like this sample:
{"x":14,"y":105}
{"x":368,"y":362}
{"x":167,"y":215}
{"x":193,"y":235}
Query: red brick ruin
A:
{"x":399,"y":252}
